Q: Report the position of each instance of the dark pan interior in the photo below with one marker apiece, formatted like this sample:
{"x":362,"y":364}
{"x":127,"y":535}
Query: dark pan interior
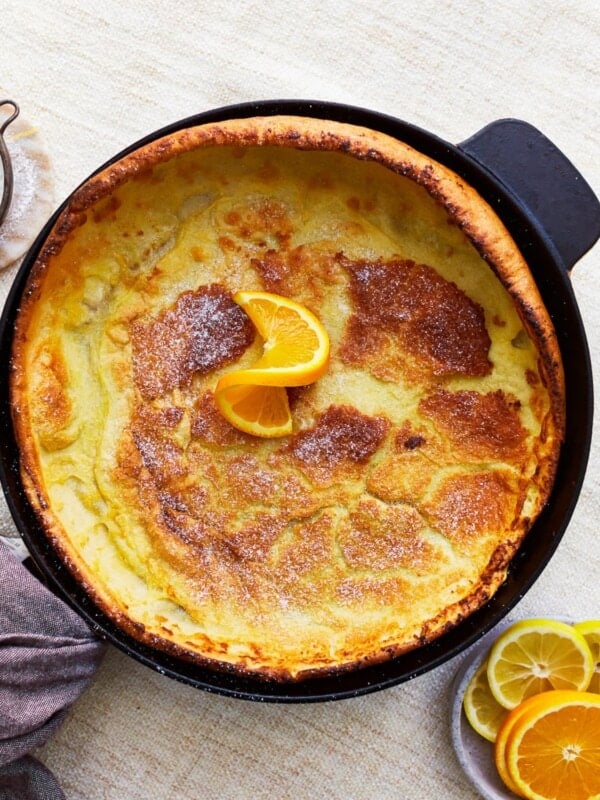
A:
{"x":540,"y":544}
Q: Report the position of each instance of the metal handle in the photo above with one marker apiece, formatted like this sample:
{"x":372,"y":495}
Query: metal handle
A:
{"x":543,"y":181}
{"x":7,"y":172}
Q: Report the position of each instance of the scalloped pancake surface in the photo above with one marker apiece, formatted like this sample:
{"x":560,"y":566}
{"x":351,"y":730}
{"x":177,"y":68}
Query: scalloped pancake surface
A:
{"x":416,"y":464}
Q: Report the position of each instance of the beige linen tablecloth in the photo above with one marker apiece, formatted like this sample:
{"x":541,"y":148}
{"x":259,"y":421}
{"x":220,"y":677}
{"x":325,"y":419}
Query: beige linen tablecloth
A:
{"x":96,"y":76}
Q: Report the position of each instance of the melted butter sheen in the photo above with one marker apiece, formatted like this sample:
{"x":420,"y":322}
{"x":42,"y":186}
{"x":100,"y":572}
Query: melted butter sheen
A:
{"x":411,"y":459}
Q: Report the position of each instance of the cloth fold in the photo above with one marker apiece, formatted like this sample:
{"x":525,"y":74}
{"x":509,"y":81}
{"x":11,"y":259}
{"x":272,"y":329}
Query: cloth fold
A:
{"x":47,"y":658}
{"x":28,"y":779}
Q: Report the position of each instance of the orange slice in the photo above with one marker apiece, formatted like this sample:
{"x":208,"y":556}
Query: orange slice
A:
{"x":260,"y":410}
{"x":296,"y":345}
{"x":553,"y":748}
{"x":295,"y":353}
{"x":500,"y":746}
{"x":538,"y":655}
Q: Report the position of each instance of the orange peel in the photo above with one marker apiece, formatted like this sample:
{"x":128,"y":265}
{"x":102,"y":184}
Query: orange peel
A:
{"x":295,"y":353}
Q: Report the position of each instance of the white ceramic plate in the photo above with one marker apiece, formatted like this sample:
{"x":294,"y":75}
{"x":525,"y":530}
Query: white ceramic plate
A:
{"x":476,"y":754}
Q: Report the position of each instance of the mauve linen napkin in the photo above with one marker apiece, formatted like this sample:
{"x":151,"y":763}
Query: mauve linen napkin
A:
{"x":47,"y":658}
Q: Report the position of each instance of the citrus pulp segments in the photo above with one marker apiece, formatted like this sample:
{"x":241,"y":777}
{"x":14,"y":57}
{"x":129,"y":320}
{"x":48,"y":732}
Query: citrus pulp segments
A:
{"x":553,"y":747}
{"x":538,"y":655}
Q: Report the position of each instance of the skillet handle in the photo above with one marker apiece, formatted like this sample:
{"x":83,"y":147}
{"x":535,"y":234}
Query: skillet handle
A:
{"x":544,"y":183}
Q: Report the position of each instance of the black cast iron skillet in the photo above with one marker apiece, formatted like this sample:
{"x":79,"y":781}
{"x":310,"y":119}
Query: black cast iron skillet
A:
{"x":554,"y":217}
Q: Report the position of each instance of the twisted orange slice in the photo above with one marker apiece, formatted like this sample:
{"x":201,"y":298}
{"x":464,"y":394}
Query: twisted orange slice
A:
{"x":296,"y":345}
{"x":295,"y":353}
{"x":259,"y":410}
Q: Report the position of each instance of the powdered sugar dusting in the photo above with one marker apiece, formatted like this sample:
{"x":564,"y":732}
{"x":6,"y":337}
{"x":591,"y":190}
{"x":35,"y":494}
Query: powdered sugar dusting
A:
{"x":341,"y":436}
{"x":409,"y":321}
{"x":202,"y":331}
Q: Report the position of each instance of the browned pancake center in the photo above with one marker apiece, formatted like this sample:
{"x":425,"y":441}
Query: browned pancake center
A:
{"x":405,"y":309}
{"x":203,"y":330}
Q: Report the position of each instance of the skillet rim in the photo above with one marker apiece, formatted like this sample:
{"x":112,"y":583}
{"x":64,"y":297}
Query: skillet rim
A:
{"x":536,"y":550}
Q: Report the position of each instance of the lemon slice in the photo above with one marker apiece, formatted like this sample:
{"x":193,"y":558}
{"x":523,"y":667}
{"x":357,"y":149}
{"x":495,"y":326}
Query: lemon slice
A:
{"x":538,"y":655}
{"x":590,"y":630}
{"x":483,"y":711}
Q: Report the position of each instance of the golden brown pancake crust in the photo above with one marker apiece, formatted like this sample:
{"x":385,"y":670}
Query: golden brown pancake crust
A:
{"x":203,"y":330}
{"x":416,"y":464}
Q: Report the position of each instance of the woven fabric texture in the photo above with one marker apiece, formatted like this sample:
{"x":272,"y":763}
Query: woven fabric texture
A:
{"x":95,"y":77}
